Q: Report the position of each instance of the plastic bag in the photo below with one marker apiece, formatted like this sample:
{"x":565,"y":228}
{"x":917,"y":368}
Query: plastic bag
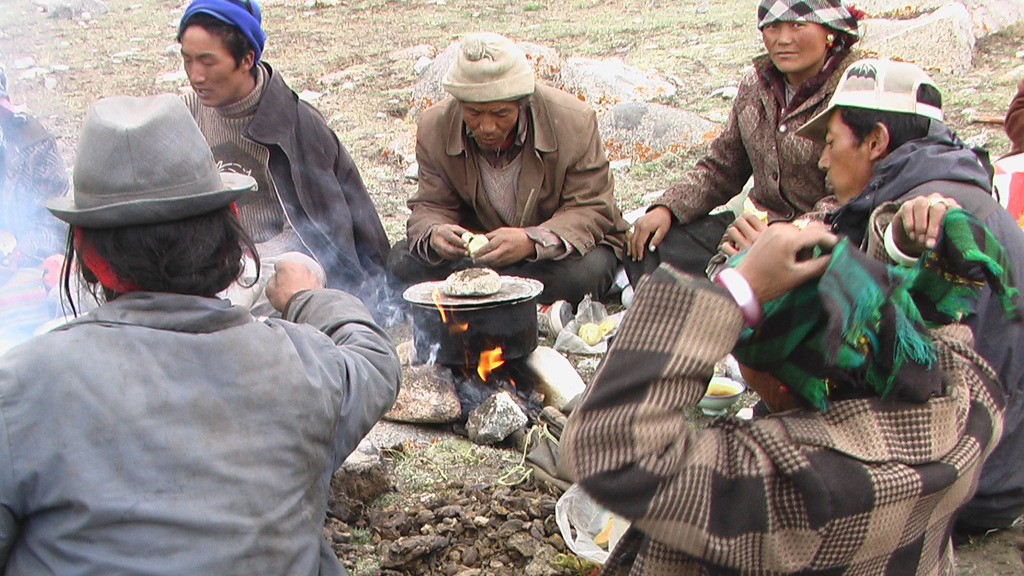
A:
{"x":588,"y":312}
{"x":583,"y":523}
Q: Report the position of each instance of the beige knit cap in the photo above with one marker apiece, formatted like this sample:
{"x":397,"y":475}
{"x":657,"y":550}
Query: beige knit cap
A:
{"x":489,"y":68}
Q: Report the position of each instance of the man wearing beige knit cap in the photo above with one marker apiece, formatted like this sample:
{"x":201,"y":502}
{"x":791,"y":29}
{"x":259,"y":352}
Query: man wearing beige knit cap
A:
{"x":520,"y":163}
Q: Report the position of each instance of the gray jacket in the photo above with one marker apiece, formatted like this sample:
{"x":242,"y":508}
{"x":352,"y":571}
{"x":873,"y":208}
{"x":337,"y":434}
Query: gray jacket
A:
{"x":172,"y":434}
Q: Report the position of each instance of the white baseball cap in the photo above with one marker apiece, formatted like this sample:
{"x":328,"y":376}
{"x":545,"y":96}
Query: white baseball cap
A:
{"x":882,"y":85}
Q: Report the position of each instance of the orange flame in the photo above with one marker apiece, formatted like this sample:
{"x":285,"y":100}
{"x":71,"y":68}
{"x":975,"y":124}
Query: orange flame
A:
{"x":453,"y":327}
{"x":489,"y":360}
{"x":436,"y":297}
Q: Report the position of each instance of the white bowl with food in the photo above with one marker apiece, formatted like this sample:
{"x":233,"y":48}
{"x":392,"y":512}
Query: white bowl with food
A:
{"x":721,"y":394}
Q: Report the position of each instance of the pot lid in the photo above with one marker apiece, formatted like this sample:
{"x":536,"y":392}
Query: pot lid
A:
{"x":513,"y":289}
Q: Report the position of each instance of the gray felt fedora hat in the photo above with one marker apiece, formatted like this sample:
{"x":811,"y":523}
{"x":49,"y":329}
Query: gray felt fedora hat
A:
{"x":143,"y":161}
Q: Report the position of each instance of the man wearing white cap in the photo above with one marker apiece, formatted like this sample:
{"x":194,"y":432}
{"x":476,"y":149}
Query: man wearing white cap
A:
{"x":520,"y":163}
{"x":896,"y":168}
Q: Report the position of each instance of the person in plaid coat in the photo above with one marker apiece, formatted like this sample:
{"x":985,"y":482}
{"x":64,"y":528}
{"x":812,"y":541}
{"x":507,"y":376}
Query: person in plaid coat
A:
{"x":866,"y":479}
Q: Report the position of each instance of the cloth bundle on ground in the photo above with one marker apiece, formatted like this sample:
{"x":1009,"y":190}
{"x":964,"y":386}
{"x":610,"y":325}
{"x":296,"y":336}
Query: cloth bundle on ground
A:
{"x":860,"y":327}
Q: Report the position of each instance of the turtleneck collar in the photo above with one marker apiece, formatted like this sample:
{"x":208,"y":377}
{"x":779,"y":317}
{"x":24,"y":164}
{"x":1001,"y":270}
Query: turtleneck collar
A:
{"x":247,"y":106}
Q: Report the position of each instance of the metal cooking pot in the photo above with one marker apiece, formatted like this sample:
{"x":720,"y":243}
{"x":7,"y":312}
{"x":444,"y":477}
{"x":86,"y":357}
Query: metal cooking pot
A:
{"x":454,"y":330}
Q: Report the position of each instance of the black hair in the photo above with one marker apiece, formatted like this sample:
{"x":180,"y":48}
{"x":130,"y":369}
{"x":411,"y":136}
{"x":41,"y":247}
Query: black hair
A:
{"x":236,"y":42}
{"x":844,"y":41}
{"x":902,"y":126}
{"x":200,"y":255}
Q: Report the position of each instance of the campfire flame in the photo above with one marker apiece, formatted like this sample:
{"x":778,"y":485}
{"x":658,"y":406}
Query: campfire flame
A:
{"x":453,"y":327}
{"x":490,"y":360}
{"x":436,"y":297}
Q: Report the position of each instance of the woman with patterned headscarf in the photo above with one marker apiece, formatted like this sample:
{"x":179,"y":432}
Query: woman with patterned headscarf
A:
{"x":808,"y":44}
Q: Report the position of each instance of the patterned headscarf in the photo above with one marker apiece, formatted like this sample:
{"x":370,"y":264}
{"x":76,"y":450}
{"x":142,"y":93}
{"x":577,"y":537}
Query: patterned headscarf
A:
{"x":829,"y":13}
{"x":863,"y":325}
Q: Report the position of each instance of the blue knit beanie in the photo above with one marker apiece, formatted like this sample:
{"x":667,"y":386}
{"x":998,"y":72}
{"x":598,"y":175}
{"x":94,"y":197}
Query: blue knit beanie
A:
{"x":242,"y":14}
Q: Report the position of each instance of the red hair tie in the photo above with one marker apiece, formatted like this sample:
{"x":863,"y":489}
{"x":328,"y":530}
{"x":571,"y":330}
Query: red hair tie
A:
{"x":100,"y":267}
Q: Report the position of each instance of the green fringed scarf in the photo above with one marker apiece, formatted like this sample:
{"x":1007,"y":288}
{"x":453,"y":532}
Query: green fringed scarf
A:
{"x":863,"y":325}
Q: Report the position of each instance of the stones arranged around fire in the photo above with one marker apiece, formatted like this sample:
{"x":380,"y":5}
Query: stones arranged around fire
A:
{"x":463,"y":525}
{"x":435,"y":394}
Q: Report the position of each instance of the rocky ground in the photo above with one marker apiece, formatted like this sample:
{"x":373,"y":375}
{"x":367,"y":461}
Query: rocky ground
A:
{"x":443,"y":505}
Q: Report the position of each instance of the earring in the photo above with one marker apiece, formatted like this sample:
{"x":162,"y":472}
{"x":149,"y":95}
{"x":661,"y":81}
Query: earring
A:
{"x":830,"y":38}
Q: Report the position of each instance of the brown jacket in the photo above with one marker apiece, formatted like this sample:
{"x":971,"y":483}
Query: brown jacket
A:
{"x":867,"y":487}
{"x":1014,"y":123}
{"x":565,"y":184}
{"x":759,"y":140}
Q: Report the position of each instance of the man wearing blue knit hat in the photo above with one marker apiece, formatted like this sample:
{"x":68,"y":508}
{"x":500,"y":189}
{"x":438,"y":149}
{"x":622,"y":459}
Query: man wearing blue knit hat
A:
{"x":310,"y":202}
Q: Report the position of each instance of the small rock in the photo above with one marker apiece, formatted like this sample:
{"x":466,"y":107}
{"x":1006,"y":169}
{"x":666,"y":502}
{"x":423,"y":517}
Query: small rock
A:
{"x":400,"y":149}
{"x":543,"y":562}
{"x":523,"y":543}
{"x":340,"y":76}
{"x":495,"y":419}
{"x":407,"y":549}
{"x":726,"y":92}
{"x":427,"y":394}
{"x":310,"y":96}
{"x":422,"y":63}
{"x":621,"y":164}
{"x":177,"y":77}
{"x":24,"y":63}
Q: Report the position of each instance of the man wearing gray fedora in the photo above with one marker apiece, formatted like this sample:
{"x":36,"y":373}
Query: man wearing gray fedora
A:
{"x":167,"y":431}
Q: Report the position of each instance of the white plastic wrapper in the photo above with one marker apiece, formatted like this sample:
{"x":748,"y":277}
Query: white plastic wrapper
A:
{"x":568,"y":340}
{"x":580,"y":521}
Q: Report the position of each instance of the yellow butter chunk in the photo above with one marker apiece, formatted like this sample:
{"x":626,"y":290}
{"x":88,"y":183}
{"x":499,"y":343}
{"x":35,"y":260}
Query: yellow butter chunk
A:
{"x":590,"y":333}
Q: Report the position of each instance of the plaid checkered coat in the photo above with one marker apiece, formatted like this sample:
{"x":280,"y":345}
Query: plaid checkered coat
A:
{"x":869,"y":487}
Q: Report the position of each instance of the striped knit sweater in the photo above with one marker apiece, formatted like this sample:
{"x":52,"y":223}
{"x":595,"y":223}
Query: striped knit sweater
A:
{"x":261,"y":212}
